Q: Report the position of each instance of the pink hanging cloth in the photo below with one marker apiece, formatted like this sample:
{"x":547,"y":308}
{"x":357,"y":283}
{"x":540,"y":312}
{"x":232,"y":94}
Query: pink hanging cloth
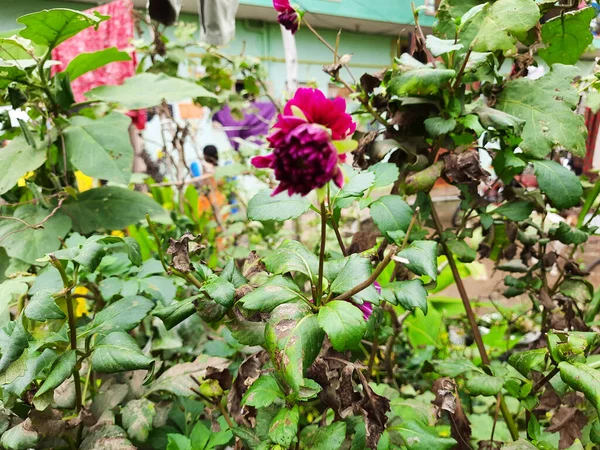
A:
{"x":118,"y":31}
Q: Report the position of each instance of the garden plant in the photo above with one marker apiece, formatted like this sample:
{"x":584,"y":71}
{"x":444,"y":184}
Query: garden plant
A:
{"x":309,"y":316}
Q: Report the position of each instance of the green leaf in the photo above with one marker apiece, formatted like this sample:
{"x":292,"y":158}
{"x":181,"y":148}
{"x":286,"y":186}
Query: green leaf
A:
{"x":494,"y":118}
{"x":42,"y":307}
{"x":391,"y":213}
{"x":177,"y":380}
{"x":11,"y":72}
{"x":220,"y":290}
{"x":149,"y":89}
{"x":292,"y":256}
{"x":13,"y":342}
{"x":137,"y":416}
{"x":178,"y":442}
{"x":355,"y":270}
{"x":18,"y":158}
{"x":111,"y":208}
{"x":455,"y":367}
{"x":293,"y":338}
{"x":484,"y":385}
{"x":281,"y":207}
{"x":420,"y":82}
{"x":561,"y":186}
{"x":461,"y":250}
{"x":62,"y":369}
{"x":274,"y":292}
{"x":285,"y":426}
{"x":422,"y":258}
{"x":232,"y":274}
{"x":567,"y":36}
{"x":437,"y":126}
{"x":356,"y":186}
{"x":424,"y":180}
{"x":344,"y":324}
{"x":418,"y":436}
{"x":582,"y":378}
{"x":520,"y":444}
{"x":53,"y":26}
{"x":249,"y":438}
{"x":35,"y":364}
{"x":118,"y":352}
{"x":579,"y":290}
{"x":86,"y":62}
{"x":385,"y":174}
{"x":408,"y":294}
{"x":440,"y":47}
{"x":529,"y":360}
{"x":550,"y":120}
{"x":516,"y":211}
{"x":101,"y":148}
{"x":199,"y":436}
{"x":263,"y":392}
{"x":20,"y":437}
{"x":568,"y":235}
{"x":247,"y":332}
{"x":504,"y":21}
{"x":122,"y":315}
{"x":16,"y":48}
{"x":29,"y":244}
{"x":176,"y":312}
{"x":330,"y":437}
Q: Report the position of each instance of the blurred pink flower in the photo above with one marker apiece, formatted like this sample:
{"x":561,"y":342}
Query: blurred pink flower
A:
{"x":288,"y":17}
{"x":304,"y":155}
{"x":367,"y":309}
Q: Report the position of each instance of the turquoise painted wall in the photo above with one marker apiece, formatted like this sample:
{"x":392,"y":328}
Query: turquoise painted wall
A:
{"x":391,"y":11}
{"x":262,"y":40}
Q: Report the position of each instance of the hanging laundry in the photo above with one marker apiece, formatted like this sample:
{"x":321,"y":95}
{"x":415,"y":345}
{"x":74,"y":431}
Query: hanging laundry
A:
{"x":256,"y":122}
{"x":117,"y":32}
{"x":217,"y":20}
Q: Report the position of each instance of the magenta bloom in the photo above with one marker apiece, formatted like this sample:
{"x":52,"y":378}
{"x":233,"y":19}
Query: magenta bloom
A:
{"x":288,"y":17}
{"x":304,"y":155}
{"x":367,"y":309}
{"x":377,"y":287}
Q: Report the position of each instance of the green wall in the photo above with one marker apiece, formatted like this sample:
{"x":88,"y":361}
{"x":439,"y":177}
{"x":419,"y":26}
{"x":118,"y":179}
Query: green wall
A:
{"x":262,"y":40}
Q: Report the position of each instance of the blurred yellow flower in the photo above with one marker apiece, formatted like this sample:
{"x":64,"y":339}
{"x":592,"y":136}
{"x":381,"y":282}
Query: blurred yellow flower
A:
{"x":118,"y":233}
{"x":81,"y":305}
{"x":160,"y":154}
{"x":21,"y":182}
{"x":84,"y":183}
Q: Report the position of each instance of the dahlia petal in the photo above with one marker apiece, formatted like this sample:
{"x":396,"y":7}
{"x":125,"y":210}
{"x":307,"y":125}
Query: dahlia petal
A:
{"x":282,"y":5}
{"x":263,"y":162}
{"x":338,"y":178}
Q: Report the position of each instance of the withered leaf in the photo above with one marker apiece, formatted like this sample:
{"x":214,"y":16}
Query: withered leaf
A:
{"x":248,"y":372}
{"x":223,"y":376}
{"x":447,"y":399}
{"x":465,"y":168}
{"x":253,"y":265}
{"x":180,"y":250}
{"x":568,"y":422}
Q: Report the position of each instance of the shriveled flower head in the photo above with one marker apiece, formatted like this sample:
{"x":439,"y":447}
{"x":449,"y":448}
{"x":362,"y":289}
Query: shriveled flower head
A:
{"x":288,"y":16}
{"x":305,"y":156}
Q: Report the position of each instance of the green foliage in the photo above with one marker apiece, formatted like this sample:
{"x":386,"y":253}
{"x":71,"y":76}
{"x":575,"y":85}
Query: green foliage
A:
{"x":136,"y":315}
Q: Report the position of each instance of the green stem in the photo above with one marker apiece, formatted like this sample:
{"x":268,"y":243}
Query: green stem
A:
{"x":68,"y":286}
{"x":510,"y":423}
{"x":322,"y":253}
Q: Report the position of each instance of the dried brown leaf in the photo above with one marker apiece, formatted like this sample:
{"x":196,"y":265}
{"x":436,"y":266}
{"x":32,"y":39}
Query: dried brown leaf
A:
{"x":248,"y":372}
{"x":180,"y":250}
{"x":568,"y":422}
{"x":447,"y":400}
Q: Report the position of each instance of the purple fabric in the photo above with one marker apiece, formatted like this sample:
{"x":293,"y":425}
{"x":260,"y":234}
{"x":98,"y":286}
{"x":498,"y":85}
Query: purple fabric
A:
{"x":256,"y":122}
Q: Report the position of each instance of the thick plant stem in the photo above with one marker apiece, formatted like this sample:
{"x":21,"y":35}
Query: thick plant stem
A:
{"x":322,"y":252}
{"x":510,"y":423}
{"x":68,"y":286}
